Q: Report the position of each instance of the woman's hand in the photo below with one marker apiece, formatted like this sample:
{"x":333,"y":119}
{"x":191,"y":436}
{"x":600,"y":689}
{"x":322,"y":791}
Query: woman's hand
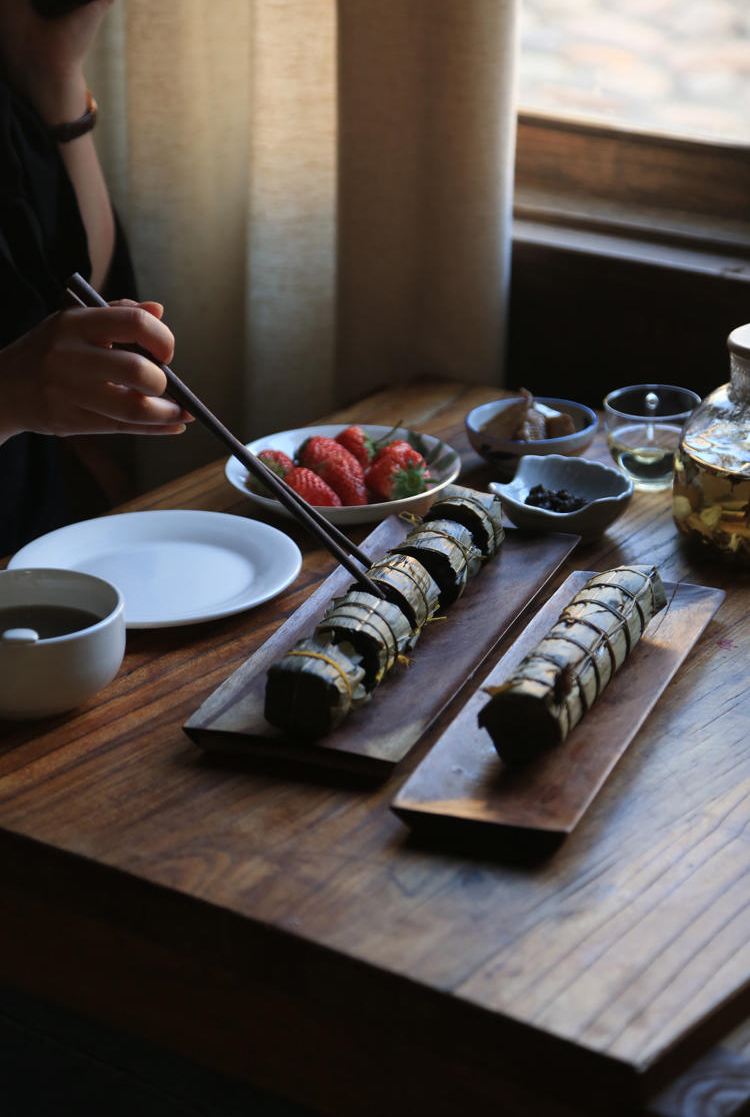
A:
{"x":43,"y":58}
{"x":66,"y":377}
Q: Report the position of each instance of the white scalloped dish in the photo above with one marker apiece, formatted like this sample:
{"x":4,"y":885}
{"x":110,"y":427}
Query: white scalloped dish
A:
{"x":606,"y":491}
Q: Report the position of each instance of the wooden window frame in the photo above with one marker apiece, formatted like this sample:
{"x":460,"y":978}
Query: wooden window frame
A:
{"x":631,"y":251}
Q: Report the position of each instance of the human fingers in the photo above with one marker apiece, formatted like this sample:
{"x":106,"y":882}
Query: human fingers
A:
{"x":100,"y":408}
{"x":116,"y":382}
{"x":122,"y":325}
{"x":78,"y":369}
{"x":92,"y":423}
{"x":86,"y":345}
{"x":89,"y":422}
{"x":157,"y":309}
{"x":53,"y":380}
{"x":115,"y":402}
{"x":137,"y":372}
{"x":173,"y":428}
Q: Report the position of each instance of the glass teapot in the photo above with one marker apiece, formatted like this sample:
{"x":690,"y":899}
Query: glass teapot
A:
{"x":711,"y":491}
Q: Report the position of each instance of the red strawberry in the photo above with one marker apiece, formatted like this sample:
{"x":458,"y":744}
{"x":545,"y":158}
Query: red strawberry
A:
{"x":346,"y":477}
{"x":338,"y":468}
{"x":401,"y":451}
{"x":277,"y":461}
{"x":357,"y":443}
{"x":312,"y":488}
{"x":390,"y":479}
{"x":317,"y":449}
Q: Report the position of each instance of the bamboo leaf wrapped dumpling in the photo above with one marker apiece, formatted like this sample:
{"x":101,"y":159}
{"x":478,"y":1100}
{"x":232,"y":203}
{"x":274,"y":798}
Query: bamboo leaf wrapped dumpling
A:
{"x":446,"y":549}
{"x":480,"y":512}
{"x":405,"y":581}
{"x":553,"y":687}
{"x":311,"y":689}
{"x":376,"y":629}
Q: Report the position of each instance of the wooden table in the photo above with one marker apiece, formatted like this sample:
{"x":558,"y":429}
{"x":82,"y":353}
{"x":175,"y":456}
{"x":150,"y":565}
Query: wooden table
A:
{"x":289,"y":929}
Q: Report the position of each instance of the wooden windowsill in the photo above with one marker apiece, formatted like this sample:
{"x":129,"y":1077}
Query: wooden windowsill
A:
{"x":613,"y":242}
{"x":631,"y":186}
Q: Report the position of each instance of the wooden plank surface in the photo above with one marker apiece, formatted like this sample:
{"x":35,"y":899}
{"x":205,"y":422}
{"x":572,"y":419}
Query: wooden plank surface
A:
{"x":294,"y":931}
{"x":375,"y":738}
{"x":462,"y":783}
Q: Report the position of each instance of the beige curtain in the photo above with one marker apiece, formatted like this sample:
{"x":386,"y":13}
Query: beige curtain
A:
{"x":319,"y":192}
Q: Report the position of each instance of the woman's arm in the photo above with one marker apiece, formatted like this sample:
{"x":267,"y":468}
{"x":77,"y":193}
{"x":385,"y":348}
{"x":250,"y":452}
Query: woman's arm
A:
{"x":82,"y":165}
{"x":43,"y":60}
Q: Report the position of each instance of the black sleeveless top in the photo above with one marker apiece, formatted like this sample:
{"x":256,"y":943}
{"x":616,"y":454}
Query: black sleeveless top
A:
{"x":42,"y":242}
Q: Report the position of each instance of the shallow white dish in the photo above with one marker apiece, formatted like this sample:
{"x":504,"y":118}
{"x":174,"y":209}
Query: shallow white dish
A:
{"x":606,"y":490}
{"x":443,"y":462}
{"x":174,"y":567}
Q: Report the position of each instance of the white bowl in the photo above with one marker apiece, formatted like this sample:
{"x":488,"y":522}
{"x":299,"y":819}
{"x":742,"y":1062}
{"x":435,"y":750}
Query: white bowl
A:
{"x":443,"y":462}
{"x":505,"y":453}
{"x":606,"y":490}
{"x":43,"y":674}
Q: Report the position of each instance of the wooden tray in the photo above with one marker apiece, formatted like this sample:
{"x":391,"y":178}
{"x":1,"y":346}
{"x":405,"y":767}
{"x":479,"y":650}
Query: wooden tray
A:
{"x":376,"y":737}
{"x":462,"y":785}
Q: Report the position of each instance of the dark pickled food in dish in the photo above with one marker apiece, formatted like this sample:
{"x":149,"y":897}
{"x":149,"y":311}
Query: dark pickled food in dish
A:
{"x":558,"y":500}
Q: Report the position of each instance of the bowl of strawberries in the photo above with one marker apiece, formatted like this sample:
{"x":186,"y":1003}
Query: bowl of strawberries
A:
{"x":353,"y":474}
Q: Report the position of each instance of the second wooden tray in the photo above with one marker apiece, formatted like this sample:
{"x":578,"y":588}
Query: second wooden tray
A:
{"x":462,"y":785}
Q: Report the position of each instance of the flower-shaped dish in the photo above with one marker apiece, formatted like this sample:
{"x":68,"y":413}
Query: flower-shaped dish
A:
{"x":505,"y":453}
{"x":606,"y":491}
{"x":442,"y":460}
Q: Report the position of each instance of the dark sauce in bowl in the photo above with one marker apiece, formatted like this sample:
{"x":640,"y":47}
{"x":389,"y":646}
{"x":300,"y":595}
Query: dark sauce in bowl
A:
{"x":47,"y":620}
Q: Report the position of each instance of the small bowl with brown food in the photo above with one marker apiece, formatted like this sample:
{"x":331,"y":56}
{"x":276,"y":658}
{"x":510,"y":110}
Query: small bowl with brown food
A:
{"x":507,"y":430}
{"x":555,"y":493}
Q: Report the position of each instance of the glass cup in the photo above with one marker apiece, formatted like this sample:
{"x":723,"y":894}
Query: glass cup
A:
{"x":644,"y":423}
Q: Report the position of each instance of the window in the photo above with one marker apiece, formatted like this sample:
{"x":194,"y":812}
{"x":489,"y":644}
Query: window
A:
{"x":672,"y":66}
{"x":637,"y":116}
{"x":632,"y":204}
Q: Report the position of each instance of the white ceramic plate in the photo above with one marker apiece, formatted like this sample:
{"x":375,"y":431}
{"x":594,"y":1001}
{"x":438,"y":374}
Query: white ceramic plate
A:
{"x":174,"y":567}
{"x":443,"y":462}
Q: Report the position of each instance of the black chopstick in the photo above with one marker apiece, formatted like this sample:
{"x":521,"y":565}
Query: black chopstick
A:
{"x":326,"y":533}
